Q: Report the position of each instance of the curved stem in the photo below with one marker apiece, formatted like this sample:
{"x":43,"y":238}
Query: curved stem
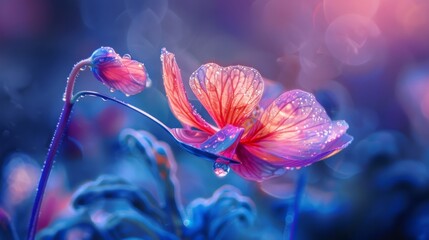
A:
{"x":138,"y":110}
{"x":69,"y":100}
{"x":187,"y":147}
{"x":53,"y":147}
{"x":68,"y":94}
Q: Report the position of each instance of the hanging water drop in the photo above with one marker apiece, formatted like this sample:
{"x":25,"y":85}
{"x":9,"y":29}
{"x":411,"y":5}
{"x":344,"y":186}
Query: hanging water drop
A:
{"x":127,"y":95}
{"x":83,"y":68}
{"x":112,"y":90}
{"x":127,"y":56}
{"x":221,"y":168}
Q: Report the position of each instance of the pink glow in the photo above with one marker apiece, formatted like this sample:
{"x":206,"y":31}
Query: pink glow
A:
{"x":336,"y":8}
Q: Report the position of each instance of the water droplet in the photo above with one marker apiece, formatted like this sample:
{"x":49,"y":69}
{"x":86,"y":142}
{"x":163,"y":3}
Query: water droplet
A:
{"x":221,"y":168}
{"x":127,"y":56}
{"x":83,"y":68}
{"x":221,"y":137}
{"x":127,"y":95}
{"x":148,"y":82}
{"x":112,"y":90}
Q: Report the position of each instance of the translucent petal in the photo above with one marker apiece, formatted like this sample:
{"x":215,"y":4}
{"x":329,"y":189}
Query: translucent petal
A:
{"x":224,"y":141}
{"x":123,"y":74}
{"x":192,"y":140}
{"x":191,"y":137}
{"x":229,"y":94}
{"x":177,"y":97}
{"x":295,"y":131}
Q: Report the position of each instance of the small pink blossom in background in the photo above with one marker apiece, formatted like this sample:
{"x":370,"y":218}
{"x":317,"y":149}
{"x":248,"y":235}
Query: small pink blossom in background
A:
{"x":293,"y":131}
{"x":119,"y":73}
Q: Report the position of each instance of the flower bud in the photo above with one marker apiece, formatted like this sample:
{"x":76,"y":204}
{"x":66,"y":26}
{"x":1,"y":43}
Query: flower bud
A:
{"x":119,"y":73}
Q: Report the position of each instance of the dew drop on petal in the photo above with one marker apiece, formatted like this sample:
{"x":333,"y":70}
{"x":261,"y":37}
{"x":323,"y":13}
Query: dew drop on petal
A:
{"x":127,"y":56}
{"x":221,"y":168}
{"x":221,"y":137}
{"x":83,"y":68}
{"x":112,"y":90}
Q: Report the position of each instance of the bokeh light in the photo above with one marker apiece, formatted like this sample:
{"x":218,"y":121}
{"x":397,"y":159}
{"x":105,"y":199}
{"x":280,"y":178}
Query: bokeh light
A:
{"x":352,"y":39}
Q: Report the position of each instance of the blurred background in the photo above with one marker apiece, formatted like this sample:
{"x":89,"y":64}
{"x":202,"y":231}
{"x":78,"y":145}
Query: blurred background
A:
{"x":367,"y":62}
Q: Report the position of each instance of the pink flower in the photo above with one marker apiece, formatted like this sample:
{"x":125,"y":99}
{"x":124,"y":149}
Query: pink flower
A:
{"x":292,"y":132}
{"x":119,"y":73}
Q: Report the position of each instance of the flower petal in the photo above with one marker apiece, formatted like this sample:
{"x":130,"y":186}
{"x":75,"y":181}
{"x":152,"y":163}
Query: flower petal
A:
{"x":335,"y":146}
{"x":191,"y":137}
{"x":220,"y":145}
{"x":295,"y":131}
{"x":177,"y":97}
{"x":224,"y":141}
{"x":229,"y":94}
{"x":123,"y":74}
{"x":254,"y":168}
